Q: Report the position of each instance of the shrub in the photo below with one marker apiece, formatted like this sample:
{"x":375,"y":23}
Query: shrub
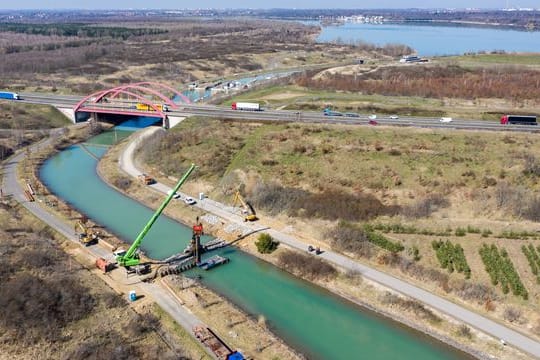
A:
{"x":410,"y":305}
{"x":512,"y":315}
{"x":36,"y":309}
{"x":426,"y":206}
{"x":348,"y":238}
{"x":266,"y":244}
{"x":109,"y":345}
{"x":464,"y":331}
{"x":308,"y":266}
{"x":329,"y":204}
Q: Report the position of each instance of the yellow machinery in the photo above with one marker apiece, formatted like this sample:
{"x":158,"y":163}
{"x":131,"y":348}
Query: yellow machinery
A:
{"x":247,"y":209}
{"x":86,"y":236}
{"x":147,"y":107}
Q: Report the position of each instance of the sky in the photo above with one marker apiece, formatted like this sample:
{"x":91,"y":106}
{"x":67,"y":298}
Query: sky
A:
{"x":300,"y":4}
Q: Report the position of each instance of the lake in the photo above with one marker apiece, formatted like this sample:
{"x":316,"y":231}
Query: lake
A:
{"x":435,"y":40}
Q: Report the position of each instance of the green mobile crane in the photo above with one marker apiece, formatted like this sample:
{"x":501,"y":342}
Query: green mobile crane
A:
{"x":131,"y":257}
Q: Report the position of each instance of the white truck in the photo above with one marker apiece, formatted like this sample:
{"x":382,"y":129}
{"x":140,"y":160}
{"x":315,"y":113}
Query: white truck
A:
{"x":246,"y":106}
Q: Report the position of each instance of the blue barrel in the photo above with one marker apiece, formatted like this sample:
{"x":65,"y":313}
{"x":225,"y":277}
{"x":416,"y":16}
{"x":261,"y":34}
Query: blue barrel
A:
{"x":132,"y":295}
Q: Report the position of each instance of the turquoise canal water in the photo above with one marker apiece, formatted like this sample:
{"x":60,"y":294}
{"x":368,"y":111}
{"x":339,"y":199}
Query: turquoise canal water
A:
{"x":435,"y":40}
{"x":310,"y":319}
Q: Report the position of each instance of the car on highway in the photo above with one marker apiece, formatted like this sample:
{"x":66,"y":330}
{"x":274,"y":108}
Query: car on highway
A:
{"x":189,"y":200}
{"x":445,"y":119}
{"x":394,"y":117}
{"x":352,"y":115}
{"x":373,"y":122}
{"x":372,"y":117}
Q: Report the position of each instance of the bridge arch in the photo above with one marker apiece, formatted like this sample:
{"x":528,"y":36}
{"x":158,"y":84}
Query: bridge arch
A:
{"x":122,"y":95}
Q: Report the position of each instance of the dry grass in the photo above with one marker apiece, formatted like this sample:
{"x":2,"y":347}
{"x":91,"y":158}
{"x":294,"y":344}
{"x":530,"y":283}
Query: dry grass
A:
{"x":449,"y":179}
{"x":184,"y":50}
{"x":56,"y":308}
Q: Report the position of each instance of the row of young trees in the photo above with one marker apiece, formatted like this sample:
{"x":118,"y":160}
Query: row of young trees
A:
{"x":501,"y":270}
{"x":382,"y":241}
{"x":451,"y":257}
{"x":533,"y":258}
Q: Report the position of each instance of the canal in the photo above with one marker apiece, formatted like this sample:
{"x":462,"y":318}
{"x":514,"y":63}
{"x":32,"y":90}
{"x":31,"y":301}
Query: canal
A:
{"x":310,"y":319}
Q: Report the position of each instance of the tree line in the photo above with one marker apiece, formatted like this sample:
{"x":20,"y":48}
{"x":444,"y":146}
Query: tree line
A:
{"x":79,"y":30}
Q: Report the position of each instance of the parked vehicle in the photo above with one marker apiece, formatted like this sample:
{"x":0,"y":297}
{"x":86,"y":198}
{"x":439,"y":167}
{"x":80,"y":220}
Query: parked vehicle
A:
{"x":190,"y":201}
{"x":146,"y":180}
{"x":246,"y":106}
{"x":175,"y":196}
{"x":104,"y":265}
{"x":518,"y":120}
{"x":9,"y":95}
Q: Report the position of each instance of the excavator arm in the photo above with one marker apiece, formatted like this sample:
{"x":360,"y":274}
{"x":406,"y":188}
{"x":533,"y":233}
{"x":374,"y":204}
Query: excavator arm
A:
{"x":251,"y":215}
{"x":131,"y":258}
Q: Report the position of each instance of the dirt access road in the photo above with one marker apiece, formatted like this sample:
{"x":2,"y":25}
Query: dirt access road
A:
{"x":511,"y":337}
{"x":116,"y":279}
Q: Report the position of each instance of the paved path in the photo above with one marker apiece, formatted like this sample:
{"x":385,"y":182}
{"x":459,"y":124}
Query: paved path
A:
{"x":162,"y":297}
{"x":460,"y":313}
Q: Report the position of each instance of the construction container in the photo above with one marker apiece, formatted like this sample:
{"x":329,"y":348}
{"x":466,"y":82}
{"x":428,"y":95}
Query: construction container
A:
{"x":104,"y":265}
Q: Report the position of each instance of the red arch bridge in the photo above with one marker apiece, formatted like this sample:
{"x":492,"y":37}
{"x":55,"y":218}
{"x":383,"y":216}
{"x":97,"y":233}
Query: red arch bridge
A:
{"x":149,"y":99}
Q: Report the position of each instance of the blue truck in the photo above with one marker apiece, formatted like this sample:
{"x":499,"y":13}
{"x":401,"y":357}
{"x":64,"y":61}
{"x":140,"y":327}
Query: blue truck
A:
{"x":9,"y":95}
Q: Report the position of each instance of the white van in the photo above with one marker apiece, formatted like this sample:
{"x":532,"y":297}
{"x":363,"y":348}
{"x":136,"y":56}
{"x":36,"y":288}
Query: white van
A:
{"x":175,"y":196}
{"x":445,"y":119}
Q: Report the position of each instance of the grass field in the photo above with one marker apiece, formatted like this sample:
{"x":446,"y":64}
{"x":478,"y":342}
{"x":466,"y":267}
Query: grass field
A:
{"x":531,"y":59}
{"x":293,"y":97}
{"x":482,"y":181}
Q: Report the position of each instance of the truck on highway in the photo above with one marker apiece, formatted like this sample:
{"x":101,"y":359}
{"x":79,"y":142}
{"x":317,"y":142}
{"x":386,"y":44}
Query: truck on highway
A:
{"x":9,"y":95}
{"x":147,"y":107}
{"x":518,"y":120}
{"x":246,"y":106}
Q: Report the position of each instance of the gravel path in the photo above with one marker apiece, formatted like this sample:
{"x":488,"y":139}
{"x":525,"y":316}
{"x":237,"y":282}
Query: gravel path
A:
{"x":511,"y":337}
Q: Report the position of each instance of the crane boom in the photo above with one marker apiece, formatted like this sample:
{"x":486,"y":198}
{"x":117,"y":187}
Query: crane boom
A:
{"x":130,"y":258}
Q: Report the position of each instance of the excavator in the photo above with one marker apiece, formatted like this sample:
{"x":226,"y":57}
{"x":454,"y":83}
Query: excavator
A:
{"x":87,"y":236}
{"x":247,"y":209}
{"x":130,"y":260}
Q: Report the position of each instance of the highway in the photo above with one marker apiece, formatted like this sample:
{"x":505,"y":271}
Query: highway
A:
{"x":268,"y":115}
